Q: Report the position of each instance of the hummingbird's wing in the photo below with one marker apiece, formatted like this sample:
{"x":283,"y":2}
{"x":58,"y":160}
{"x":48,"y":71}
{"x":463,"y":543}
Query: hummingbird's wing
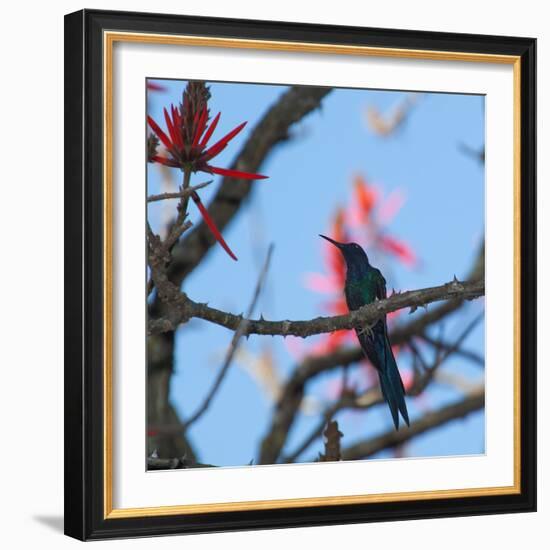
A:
{"x":380,"y":286}
{"x":382,"y":295}
{"x":377,"y":347}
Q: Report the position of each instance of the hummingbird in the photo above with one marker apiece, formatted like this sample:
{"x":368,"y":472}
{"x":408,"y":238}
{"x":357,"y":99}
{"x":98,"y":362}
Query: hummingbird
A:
{"x":365,"y":284}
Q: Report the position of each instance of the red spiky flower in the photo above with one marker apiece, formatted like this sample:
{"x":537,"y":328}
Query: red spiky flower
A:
{"x":186,"y":143}
{"x":189,"y":132}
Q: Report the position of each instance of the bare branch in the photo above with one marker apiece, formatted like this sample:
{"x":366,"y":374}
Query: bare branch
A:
{"x":332,"y":443}
{"x":158,"y":256}
{"x":177,"y":228}
{"x":392,"y":438}
{"x":180,"y":194}
{"x":160,"y":251}
{"x":422,"y":381}
{"x":187,"y":308}
{"x":241,"y":330}
{"x":440,"y":344}
{"x":347,"y":400}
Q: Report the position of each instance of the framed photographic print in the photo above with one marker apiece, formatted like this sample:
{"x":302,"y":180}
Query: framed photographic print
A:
{"x":300,"y":274}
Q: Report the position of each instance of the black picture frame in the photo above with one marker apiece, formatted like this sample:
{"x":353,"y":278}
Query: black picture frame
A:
{"x":84,"y":226}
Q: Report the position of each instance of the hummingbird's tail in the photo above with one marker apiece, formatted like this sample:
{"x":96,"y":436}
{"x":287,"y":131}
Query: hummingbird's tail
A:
{"x":393,"y":390}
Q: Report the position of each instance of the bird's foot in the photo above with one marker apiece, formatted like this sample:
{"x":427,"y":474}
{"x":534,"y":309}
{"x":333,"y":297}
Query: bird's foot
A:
{"x":367,"y":330}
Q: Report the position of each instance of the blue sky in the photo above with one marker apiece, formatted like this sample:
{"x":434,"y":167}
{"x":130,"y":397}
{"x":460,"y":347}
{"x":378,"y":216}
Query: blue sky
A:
{"x":442,"y":219}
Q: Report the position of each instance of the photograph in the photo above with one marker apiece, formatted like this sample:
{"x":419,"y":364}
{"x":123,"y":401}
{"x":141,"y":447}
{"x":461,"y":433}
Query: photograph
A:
{"x":283,"y":224}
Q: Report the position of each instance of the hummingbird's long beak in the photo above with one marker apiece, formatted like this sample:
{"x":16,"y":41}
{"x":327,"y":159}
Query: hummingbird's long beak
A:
{"x":335,"y":243}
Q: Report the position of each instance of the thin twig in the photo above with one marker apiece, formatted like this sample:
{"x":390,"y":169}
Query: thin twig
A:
{"x":176,"y":231}
{"x":241,"y":331}
{"x":421,"y":383}
{"x":442,"y":345}
{"x":159,"y":251}
{"x":179,"y":194}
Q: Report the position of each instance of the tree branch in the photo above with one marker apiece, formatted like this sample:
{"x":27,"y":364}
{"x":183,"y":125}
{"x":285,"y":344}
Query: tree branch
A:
{"x":441,"y":345}
{"x":180,"y":194}
{"x":241,"y":330}
{"x":392,"y":438}
{"x":332,"y":443}
{"x":186,"y":308}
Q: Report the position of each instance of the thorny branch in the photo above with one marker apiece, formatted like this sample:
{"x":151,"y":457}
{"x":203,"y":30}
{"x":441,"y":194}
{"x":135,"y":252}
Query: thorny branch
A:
{"x":187,"y":309}
{"x":333,"y":437}
{"x":160,"y":252}
{"x":180,"y":194}
{"x":440,"y":344}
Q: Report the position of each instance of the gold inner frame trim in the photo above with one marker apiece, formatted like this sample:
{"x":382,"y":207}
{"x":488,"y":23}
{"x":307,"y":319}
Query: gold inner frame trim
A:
{"x":109,"y":39}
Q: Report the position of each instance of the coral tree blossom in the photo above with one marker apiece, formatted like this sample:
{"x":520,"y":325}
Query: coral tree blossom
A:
{"x":189,"y":130}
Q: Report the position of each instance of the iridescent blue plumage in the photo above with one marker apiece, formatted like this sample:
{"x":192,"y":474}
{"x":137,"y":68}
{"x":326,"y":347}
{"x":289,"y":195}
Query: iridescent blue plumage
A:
{"x":364,"y":285}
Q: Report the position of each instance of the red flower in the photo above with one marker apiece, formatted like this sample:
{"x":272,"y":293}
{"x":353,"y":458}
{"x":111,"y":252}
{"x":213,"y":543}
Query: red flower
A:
{"x":189,"y":133}
{"x":398,"y":248}
{"x":365,"y":196}
{"x":154,"y":87}
{"x":187,"y":144}
{"x":334,"y":259}
{"x":371,"y":212}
